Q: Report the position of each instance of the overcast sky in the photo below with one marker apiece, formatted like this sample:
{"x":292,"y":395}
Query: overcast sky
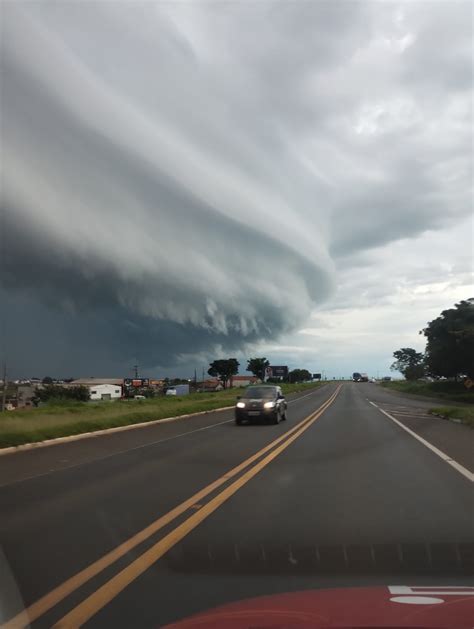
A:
{"x":186,"y":181}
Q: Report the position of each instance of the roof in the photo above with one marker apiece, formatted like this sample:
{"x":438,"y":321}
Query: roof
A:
{"x":253,"y":378}
{"x":211,"y":384}
{"x":98,"y":385}
{"x":90,"y":382}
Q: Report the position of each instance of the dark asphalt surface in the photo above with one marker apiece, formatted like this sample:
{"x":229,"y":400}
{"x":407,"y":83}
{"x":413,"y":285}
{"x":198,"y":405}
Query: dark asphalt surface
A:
{"x":354,"y":500}
{"x":453,"y":439}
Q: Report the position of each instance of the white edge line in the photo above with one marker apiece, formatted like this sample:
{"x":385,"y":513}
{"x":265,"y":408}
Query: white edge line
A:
{"x":108,"y":431}
{"x":442,"y":455}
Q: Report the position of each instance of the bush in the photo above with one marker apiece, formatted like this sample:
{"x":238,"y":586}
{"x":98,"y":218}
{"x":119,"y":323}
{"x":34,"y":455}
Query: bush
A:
{"x":448,"y":389}
{"x":466,"y":415}
{"x":54,"y":393}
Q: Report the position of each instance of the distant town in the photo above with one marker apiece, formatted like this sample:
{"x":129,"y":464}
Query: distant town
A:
{"x":24,"y":393}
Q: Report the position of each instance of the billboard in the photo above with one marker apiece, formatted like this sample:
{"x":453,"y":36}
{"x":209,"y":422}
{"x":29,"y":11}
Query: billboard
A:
{"x":279,"y":371}
{"x":316,"y":376}
{"x":137,"y":383}
{"x":157,"y":383}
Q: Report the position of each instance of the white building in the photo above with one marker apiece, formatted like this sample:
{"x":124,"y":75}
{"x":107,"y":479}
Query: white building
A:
{"x":105,"y":391}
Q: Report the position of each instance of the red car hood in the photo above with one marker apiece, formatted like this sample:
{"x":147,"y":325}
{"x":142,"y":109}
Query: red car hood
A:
{"x":393,"y":606}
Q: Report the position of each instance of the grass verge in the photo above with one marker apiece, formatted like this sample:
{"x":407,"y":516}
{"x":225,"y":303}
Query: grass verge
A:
{"x":62,"y":420}
{"x":465,"y":415}
{"x":447,"y":390}
{"x":297,"y":388}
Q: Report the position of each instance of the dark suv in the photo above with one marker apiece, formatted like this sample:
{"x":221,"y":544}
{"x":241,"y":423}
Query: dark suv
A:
{"x":261,"y":402}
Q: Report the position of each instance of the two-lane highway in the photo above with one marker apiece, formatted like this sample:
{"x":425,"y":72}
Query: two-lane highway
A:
{"x":174,"y":520}
{"x":63,"y":507}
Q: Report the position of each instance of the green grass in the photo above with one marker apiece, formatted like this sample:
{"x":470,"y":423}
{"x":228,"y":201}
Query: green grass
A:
{"x":448,"y":390}
{"x":296,"y":388}
{"x":72,"y":418}
{"x":466,"y":415}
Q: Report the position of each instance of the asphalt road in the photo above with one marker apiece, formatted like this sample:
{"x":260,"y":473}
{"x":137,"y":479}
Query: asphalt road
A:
{"x":338,"y":495}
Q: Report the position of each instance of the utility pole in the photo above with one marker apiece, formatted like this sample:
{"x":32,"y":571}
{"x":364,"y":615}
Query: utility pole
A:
{"x":4,"y":394}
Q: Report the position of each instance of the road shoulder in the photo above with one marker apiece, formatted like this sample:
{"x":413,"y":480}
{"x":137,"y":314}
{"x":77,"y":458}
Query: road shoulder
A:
{"x":455,"y":440}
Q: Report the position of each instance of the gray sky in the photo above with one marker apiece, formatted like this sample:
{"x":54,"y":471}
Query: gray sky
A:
{"x":184,"y":181}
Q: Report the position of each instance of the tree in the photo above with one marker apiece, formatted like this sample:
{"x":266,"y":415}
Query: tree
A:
{"x":257,"y":366}
{"x":299,"y":375}
{"x":178,"y":381}
{"x":57,"y":392}
{"x":79,"y":393}
{"x":450,"y":344}
{"x":47,"y":380}
{"x":224,"y":369}
{"x":409,"y":362}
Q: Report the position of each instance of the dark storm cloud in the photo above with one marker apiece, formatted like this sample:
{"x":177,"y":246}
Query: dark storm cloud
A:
{"x":178,"y":178}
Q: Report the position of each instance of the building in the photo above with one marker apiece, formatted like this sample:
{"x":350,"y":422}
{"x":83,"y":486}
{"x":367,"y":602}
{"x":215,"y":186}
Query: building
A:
{"x":101,"y":388}
{"x":25,"y":395}
{"x":105,"y":392}
{"x":243,"y":381}
{"x":211,"y":385}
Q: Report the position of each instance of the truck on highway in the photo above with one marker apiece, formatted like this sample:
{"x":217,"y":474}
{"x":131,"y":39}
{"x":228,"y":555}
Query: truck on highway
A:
{"x":360,"y":377}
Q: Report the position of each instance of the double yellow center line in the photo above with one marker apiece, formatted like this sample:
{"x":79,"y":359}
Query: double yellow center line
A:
{"x":101,"y":597}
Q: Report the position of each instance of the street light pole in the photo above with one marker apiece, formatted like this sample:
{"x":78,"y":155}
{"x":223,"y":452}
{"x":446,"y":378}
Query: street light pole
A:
{"x":4,"y":394}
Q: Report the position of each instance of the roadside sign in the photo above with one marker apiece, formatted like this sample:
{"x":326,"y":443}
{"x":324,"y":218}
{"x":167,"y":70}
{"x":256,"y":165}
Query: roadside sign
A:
{"x":280,"y":371}
{"x":268,"y":373}
{"x":136,"y":382}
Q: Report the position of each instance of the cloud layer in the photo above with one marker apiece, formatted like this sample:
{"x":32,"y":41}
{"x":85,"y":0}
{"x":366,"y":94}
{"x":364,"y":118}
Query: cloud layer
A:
{"x":180,"y":178}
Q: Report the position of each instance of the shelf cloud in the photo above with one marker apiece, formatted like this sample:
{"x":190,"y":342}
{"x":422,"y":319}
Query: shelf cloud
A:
{"x":181,"y":179}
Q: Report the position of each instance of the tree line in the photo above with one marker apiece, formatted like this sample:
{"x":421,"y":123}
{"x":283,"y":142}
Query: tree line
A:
{"x":449,"y":349}
{"x":224,"y":369}
{"x":51,"y":392}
